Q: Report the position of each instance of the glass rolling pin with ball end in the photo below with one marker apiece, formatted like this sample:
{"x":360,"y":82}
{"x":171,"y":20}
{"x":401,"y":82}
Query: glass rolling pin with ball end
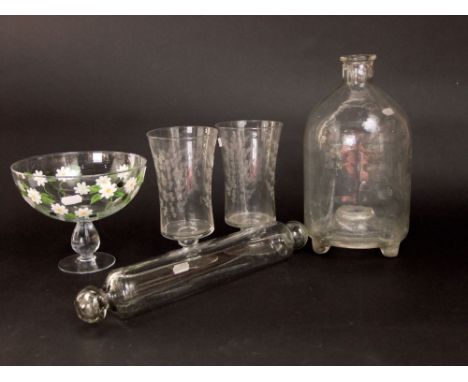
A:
{"x":183,"y":272}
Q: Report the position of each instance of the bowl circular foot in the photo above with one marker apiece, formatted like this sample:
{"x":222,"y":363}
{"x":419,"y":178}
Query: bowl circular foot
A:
{"x":76,"y":264}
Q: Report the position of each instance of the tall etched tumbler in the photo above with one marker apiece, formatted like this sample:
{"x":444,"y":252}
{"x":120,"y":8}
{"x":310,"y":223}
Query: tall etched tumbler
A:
{"x":183,"y":157}
{"x":249,"y":150}
{"x":357,"y":154}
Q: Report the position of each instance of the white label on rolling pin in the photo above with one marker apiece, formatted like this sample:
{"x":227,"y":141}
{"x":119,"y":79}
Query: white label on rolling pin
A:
{"x":181,"y":267}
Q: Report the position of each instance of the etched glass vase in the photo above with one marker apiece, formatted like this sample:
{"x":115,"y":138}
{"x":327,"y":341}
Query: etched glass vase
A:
{"x":183,"y":158}
{"x":357,"y":153}
{"x":249,"y":149}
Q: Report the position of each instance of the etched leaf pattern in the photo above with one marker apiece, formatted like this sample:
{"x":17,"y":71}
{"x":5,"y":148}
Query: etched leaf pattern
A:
{"x":184,"y":174}
{"x":249,"y":159}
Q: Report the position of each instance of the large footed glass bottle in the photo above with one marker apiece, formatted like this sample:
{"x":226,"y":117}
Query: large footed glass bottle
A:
{"x":357,"y":153}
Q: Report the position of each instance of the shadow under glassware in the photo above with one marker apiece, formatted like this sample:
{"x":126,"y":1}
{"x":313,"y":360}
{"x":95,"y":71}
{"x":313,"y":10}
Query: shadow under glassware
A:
{"x":249,"y":149}
{"x":80,"y":187}
{"x":183,"y":158}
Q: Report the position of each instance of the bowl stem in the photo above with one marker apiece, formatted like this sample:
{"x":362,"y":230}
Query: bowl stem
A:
{"x":85,"y":242}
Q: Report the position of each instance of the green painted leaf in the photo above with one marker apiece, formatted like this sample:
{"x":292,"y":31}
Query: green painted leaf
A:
{"x":119,"y":194}
{"x":69,"y":216}
{"x":95,"y":198}
{"x":140,"y":178}
{"x":93,"y":189}
{"x":51,"y":179}
{"x":46,"y":198}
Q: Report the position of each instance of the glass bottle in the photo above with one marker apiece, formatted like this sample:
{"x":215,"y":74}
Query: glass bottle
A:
{"x":357,"y":153}
{"x":180,"y":273}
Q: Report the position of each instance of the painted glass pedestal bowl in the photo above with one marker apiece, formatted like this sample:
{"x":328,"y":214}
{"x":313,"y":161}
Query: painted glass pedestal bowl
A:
{"x":80,"y":187}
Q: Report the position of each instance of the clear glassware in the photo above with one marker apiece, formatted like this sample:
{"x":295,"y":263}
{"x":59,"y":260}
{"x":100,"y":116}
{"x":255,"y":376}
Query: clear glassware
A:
{"x":80,"y":187}
{"x":183,"y":157}
{"x":357,"y":154}
{"x":170,"y":277}
{"x":249,"y":150}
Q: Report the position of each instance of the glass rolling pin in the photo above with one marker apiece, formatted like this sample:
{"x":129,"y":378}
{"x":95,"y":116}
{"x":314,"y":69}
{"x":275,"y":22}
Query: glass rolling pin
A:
{"x":183,"y":272}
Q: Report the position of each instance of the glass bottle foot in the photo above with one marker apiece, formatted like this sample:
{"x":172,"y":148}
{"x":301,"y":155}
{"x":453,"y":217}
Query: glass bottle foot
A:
{"x":390,"y":250}
{"x":77,"y":264}
{"x":319,"y":246}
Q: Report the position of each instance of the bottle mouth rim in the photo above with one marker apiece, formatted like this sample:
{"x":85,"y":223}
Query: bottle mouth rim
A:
{"x":360,"y":57}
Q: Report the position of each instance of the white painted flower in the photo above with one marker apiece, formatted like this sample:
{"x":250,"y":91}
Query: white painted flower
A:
{"x":34,"y":196}
{"x":83,"y":212}
{"x":102,"y":181}
{"x":81,"y":188}
{"x":64,"y":172}
{"x":59,"y":209}
{"x":107,"y":190}
{"x":122,"y":168}
{"x":130,"y":185}
{"x":39,"y":178}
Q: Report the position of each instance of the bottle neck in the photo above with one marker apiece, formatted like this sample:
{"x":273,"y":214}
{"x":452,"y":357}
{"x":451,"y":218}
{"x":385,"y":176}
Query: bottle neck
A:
{"x":358,"y":70}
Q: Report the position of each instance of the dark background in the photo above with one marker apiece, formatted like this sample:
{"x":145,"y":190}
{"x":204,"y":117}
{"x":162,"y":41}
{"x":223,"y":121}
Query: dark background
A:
{"x":81,"y":83}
